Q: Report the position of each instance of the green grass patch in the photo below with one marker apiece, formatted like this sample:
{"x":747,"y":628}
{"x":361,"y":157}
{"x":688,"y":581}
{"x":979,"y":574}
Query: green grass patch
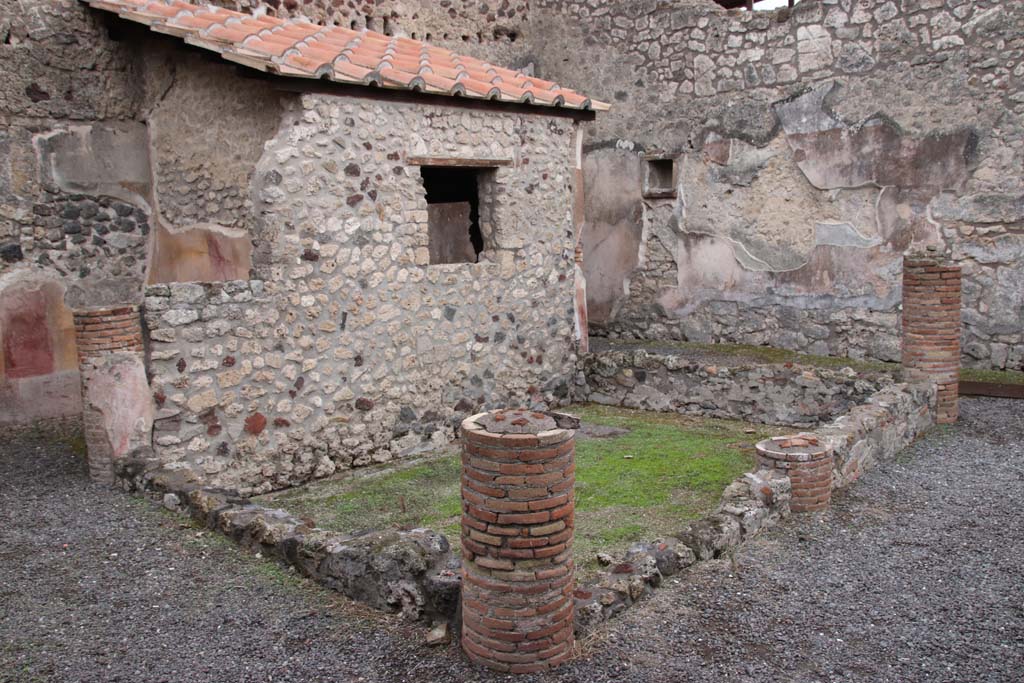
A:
{"x":385,"y":496}
{"x":992,"y":376}
{"x":76,"y":443}
{"x":666,"y":470}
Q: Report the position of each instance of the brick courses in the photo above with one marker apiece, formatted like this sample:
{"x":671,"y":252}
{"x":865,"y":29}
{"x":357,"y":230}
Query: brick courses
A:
{"x":517,"y":532}
{"x":932,"y":328}
{"x":107,"y":330}
{"x":808,"y":464}
{"x":99,"y":332}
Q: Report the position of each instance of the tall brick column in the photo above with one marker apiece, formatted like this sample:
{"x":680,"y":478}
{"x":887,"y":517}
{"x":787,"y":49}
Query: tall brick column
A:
{"x":100,"y":334}
{"x":517,"y":529}
{"x":931,"y":327}
{"x":806,"y":462}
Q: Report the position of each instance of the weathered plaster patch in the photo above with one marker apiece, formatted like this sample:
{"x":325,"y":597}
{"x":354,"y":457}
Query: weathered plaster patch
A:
{"x":833,"y":154}
{"x":759,"y":200}
{"x":117,"y":388}
{"x":38,"y":358}
{"x":201,"y":253}
{"x":108,"y":159}
{"x":356,"y":349}
{"x":842,"y":235}
{"x":612,"y":234}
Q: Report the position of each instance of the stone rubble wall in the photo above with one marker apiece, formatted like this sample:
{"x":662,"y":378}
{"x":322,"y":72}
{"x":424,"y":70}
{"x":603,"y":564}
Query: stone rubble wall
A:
{"x":750,"y":504}
{"x":97,"y":127}
{"x":495,"y":31}
{"x":62,"y":73}
{"x":202,"y":166}
{"x":114,"y":139}
{"x":889,"y":421}
{"x":815,"y":145}
{"x":353,"y":348}
{"x":411,"y":572}
{"x":786,"y":394}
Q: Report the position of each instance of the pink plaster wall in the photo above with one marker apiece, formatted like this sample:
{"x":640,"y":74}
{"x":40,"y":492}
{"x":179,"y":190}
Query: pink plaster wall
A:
{"x":38,"y":360}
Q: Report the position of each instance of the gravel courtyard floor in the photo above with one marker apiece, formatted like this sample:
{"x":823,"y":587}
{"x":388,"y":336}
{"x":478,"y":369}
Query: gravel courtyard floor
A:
{"x":916,"y":574}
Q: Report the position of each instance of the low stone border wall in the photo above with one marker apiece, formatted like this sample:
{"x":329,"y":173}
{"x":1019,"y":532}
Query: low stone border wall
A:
{"x":887,"y":422}
{"x":753,"y":502}
{"x":415,"y":572}
{"x":412,"y":572}
{"x":795,"y":395}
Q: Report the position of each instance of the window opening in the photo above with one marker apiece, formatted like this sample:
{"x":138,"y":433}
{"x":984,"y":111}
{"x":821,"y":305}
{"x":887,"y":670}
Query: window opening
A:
{"x":453,"y":213}
{"x":660,"y":177}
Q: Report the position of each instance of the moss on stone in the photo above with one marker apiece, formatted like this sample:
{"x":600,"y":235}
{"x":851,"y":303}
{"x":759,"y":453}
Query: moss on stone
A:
{"x":758,"y":354}
{"x":992,"y":376}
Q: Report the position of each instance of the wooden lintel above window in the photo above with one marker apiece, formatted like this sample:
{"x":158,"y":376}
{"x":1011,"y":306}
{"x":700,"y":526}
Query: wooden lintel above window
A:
{"x":462,"y":163}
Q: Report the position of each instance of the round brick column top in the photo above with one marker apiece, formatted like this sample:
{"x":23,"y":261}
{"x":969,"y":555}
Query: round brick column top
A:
{"x":808,"y":464}
{"x":519,"y":427}
{"x":515,"y":421}
{"x":794,"y":448}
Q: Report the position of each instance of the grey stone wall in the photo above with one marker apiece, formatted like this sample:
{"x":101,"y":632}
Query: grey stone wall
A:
{"x":497,"y":31}
{"x":354,"y":349}
{"x":114,"y":137}
{"x":62,"y":73}
{"x":783,"y":394}
{"x":875,"y":431}
{"x":814,"y":146}
{"x":208,"y":124}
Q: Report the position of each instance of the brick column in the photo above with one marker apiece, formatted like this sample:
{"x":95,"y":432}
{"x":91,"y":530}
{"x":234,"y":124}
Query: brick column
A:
{"x":931,"y":328}
{"x":806,"y":462}
{"x":517,"y":529}
{"x":98,"y":334}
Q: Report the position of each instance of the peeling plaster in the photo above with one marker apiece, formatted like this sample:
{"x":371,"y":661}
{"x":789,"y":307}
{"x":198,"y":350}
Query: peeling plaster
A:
{"x":842,"y":235}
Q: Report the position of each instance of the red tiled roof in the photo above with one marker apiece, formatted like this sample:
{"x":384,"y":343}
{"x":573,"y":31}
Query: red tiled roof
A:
{"x":294,"y":47}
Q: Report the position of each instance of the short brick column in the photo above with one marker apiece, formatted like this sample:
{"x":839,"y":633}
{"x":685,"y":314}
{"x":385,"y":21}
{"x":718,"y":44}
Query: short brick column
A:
{"x":931,"y":328}
{"x":517,"y":528}
{"x":98,"y":334}
{"x":806,"y":462}
{"x":106,"y":330}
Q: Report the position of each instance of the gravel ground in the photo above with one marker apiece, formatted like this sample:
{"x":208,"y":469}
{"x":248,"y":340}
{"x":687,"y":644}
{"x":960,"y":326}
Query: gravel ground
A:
{"x":916,"y":574}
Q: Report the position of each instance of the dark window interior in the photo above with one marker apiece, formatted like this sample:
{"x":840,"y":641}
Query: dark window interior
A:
{"x":659,"y":174}
{"x":455,"y":235}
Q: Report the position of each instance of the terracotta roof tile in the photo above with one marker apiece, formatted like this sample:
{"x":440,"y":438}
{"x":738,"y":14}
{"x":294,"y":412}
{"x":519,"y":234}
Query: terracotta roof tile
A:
{"x":294,"y":47}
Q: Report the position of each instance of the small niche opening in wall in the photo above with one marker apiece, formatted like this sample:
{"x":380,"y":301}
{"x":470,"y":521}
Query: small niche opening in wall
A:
{"x":453,"y":213}
{"x":660,"y":177}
